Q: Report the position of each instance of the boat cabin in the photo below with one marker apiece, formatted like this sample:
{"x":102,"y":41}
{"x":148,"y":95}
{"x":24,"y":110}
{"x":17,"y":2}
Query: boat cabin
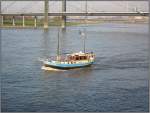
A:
{"x":80,"y":56}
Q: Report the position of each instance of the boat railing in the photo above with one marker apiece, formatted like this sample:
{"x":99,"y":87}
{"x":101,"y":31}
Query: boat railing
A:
{"x":54,"y":58}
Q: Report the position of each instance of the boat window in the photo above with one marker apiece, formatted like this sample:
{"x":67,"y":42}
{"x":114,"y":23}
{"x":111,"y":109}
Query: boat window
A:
{"x":80,"y":58}
{"x":77,"y":58}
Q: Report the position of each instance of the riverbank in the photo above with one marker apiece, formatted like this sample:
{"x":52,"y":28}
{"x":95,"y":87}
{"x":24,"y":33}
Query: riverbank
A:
{"x":29,"y":23}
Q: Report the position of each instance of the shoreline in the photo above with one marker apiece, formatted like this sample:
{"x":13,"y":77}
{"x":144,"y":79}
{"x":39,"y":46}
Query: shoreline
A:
{"x":89,"y":22}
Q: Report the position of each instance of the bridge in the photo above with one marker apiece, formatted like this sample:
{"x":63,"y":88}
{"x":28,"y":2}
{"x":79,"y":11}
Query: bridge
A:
{"x":64,"y":13}
{"x":76,"y":0}
{"x":81,"y":14}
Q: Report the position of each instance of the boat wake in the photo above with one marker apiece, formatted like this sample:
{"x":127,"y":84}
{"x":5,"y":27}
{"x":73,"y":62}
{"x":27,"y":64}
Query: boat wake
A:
{"x":50,"y":69}
{"x":41,"y":59}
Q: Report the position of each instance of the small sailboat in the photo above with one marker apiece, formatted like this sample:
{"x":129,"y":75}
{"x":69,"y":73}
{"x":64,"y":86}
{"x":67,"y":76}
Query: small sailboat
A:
{"x":70,"y":61}
{"x":73,"y":60}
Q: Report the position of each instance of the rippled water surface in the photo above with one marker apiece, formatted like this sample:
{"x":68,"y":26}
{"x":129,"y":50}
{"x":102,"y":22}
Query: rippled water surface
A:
{"x":118,"y":80}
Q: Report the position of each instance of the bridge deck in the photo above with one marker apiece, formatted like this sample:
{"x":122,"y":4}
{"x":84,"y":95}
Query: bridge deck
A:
{"x":78,"y":0}
{"x":80,"y":14}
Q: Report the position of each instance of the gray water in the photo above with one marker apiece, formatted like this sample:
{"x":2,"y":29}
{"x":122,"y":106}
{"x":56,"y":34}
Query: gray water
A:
{"x":117,"y":81}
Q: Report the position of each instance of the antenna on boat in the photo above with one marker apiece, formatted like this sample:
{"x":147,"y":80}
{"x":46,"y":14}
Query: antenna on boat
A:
{"x":83,"y":35}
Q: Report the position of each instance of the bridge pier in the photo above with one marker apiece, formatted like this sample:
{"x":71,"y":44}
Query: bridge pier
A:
{"x":2,"y":20}
{"x":1,"y":17}
{"x":46,"y":6}
{"x":23,"y":23}
{"x":13,"y":20}
{"x":63,"y":23}
{"x":35,"y":21}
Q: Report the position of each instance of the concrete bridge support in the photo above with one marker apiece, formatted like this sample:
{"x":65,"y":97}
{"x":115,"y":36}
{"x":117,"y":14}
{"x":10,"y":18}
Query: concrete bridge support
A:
{"x":0,"y":16}
{"x":46,"y":6}
{"x":63,"y":24}
{"x":23,"y":23}
{"x":35,"y":21}
{"x":2,"y":20}
{"x":13,"y":20}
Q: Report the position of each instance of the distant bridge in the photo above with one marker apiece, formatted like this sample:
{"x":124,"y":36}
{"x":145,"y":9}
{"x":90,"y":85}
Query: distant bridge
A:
{"x":75,"y":0}
{"x":64,"y":13}
{"x":80,"y":14}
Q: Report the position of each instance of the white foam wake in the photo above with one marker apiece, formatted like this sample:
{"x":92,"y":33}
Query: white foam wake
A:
{"x":51,"y":69}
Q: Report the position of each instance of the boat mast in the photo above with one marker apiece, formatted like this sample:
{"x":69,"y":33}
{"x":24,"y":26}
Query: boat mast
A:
{"x":58,"y":54}
{"x":85,"y":25}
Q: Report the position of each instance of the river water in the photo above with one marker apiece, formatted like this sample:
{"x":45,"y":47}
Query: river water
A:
{"x":117,"y":81}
